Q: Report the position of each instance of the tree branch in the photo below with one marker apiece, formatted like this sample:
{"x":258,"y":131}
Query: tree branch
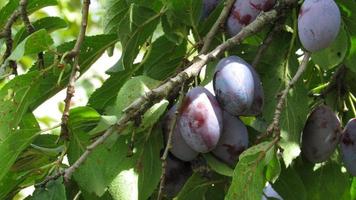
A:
{"x":74,"y":53}
{"x":219,"y":22}
{"x":30,"y":28}
{"x":274,"y":126}
{"x":7,"y":34}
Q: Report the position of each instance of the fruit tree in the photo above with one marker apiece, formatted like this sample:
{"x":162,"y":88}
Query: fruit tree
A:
{"x":178,"y":99}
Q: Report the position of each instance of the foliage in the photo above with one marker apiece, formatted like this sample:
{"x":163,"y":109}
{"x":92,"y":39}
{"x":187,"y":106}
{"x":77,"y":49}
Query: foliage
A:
{"x":157,"y":39}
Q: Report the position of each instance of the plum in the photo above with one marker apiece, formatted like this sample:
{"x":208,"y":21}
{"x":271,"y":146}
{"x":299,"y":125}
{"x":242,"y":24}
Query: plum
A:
{"x":177,"y":173}
{"x":318,"y":24}
{"x":321,"y":134}
{"x":348,"y":147}
{"x":208,"y":7}
{"x":238,"y":87}
{"x":244,"y":12}
{"x":200,"y":120}
{"x":233,"y":140}
{"x":180,"y":148}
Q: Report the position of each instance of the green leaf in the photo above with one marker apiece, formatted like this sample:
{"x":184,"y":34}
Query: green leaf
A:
{"x":273,"y":169}
{"x":36,"y":42}
{"x":175,"y":31}
{"x":248,"y":179}
{"x":141,"y":174}
{"x":50,"y":24}
{"x":194,"y":188}
{"x":148,"y":166}
{"x":12,"y":146}
{"x":218,"y":166}
{"x":106,"y":95}
{"x":115,"y":12}
{"x":347,"y":9}
{"x":54,"y":190}
{"x":94,"y":175}
{"x":353,"y":189}
{"x":99,"y":170}
{"x":32,"y":6}
{"x":104,"y":123}
{"x":20,"y":170}
{"x":325,"y":181}
{"x":92,"y":48}
{"x":83,"y":118}
{"x":186,"y":11}
{"x":15,"y":99}
{"x":290,"y":186}
{"x":163,"y":58}
{"x":133,"y":88}
{"x":334,"y":54}
{"x":135,"y":29}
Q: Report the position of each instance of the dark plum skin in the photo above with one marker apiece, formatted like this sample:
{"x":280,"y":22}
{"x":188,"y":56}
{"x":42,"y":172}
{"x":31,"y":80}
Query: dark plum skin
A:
{"x":321,"y":134}
{"x":244,"y":12}
{"x":238,"y":87}
{"x":318,"y":24}
{"x":233,"y":140}
{"x":348,"y":146}
{"x":200,"y":121}
{"x":208,"y":7}
{"x":179,"y":148}
{"x":177,"y":173}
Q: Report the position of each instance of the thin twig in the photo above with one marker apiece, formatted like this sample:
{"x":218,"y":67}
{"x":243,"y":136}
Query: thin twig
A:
{"x":30,"y":28}
{"x":335,"y":81}
{"x":171,"y":127}
{"x":74,"y":53}
{"x":221,"y":20}
{"x":50,"y":178}
{"x":143,"y":103}
{"x":7,"y":33}
{"x":268,"y":40}
{"x":23,"y":9}
{"x":274,"y":126}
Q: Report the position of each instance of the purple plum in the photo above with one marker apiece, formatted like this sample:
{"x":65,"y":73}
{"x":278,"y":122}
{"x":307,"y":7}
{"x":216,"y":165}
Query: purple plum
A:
{"x":321,"y":134}
{"x":177,"y":173}
{"x":238,"y":87}
{"x":244,"y":12}
{"x":233,"y":140}
{"x":180,"y":148}
{"x":348,"y":146}
{"x":318,"y":24}
{"x":208,"y":7}
{"x":200,"y":121}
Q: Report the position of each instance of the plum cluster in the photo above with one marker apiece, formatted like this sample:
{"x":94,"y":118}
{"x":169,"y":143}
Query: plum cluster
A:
{"x":321,"y":135}
{"x":207,"y":123}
